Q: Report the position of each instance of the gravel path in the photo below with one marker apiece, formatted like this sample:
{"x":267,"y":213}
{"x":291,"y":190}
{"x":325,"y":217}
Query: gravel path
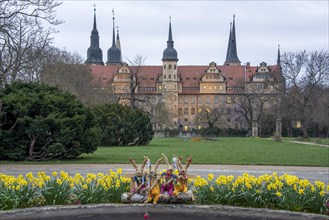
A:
{"x":310,"y":173}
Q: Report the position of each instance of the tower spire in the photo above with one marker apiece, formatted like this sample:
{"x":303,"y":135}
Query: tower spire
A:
{"x":94,"y":53}
{"x":113,"y":38}
{"x":232,"y":55}
{"x":170,"y":33}
{"x":95,"y":27}
{"x":170,"y":53}
{"x":114,"y":53}
{"x":118,"y":43}
{"x":278,"y":61}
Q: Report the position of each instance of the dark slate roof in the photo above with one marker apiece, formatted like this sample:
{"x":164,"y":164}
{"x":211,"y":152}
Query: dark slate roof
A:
{"x":114,"y":53}
{"x":94,"y":52}
{"x":232,"y":54}
{"x":170,"y":54}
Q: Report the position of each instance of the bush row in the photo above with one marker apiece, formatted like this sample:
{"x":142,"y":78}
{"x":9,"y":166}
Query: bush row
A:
{"x":39,"y":122}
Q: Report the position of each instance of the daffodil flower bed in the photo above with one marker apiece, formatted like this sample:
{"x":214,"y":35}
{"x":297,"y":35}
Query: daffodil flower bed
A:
{"x":266,"y":191}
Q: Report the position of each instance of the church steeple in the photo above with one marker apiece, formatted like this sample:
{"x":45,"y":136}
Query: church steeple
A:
{"x":118,"y":44}
{"x":232,"y":54}
{"x":94,"y":53}
{"x":170,"y":54}
{"x":278,"y":61}
{"x":114,"y":53}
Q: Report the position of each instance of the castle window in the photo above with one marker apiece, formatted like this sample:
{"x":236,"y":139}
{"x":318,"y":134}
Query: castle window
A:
{"x":215,"y":87}
{"x":200,"y":110}
{"x":193,"y":111}
{"x":216,"y":99}
{"x":164,"y":76}
{"x":175,"y":87}
{"x":174,"y":76}
{"x":169,"y":76}
{"x":160,"y":87}
{"x":192,"y":100}
{"x":209,"y":87}
{"x":220,"y":87}
{"x":200,"y":100}
{"x":204,"y":87}
{"x":185,"y":111}
{"x":175,"y":66}
{"x":164,"y":66}
{"x":208,"y":100}
{"x":228,"y":99}
{"x":169,"y":67}
{"x":186,"y":100}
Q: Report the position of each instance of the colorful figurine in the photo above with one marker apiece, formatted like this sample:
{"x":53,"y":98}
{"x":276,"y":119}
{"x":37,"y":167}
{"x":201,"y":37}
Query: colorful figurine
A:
{"x":154,"y":183}
{"x":168,"y":178}
{"x":182,"y":177}
{"x":139,"y":180}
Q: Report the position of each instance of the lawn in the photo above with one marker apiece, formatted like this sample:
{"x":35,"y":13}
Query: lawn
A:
{"x":222,"y":151}
{"x":225,"y":150}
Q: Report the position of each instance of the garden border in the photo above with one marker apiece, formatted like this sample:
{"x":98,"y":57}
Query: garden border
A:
{"x":119,"y":211}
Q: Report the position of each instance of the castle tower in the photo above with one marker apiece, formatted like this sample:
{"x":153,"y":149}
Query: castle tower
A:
{"x":114,"y":53}
{"x":94,"y":53}
{"x":170,"y":79}
{"x":169,"y":60}
{"x":232,"y":54}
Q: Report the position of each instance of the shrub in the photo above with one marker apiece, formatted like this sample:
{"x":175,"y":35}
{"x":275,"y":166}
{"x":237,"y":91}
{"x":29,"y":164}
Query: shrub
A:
{"x":121,"y":125}
{"x":40,"y":122}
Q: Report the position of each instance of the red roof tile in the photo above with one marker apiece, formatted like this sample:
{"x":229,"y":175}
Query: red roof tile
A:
{"x":190,"y":76}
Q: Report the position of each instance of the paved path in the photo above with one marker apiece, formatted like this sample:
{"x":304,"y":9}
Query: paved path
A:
{"x":310,"y":173}
{"x":308,"y":143}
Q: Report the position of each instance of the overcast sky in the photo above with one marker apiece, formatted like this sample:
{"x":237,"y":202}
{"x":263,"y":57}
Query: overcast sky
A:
{"x":200,"y":28}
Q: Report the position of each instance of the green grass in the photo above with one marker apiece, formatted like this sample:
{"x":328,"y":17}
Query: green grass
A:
{"x":226,"y":150}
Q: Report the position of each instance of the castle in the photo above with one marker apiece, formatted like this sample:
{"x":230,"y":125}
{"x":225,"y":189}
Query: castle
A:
{"x":187,"y":97}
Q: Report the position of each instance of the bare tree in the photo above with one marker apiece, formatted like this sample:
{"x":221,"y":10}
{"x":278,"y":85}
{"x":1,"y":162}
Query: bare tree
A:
{"x":135,"y":68}
{"x":211,"y":116}
{"x":155,"y":106}
{"x":251,"y":106}
{"x":306,"y":76}
{"x":64,"y":69}
{"x":23,"y":37}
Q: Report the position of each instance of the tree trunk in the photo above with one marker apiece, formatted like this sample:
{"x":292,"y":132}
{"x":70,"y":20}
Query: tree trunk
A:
{"x":33,"y":140}
{"x":305,"y":134}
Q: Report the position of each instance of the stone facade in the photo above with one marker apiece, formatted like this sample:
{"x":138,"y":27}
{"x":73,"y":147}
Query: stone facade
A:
{"x":183,"y":96}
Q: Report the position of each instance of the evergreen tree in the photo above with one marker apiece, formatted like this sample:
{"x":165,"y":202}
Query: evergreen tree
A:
{"x":121,"y":125}
{"x":39,"y":122}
